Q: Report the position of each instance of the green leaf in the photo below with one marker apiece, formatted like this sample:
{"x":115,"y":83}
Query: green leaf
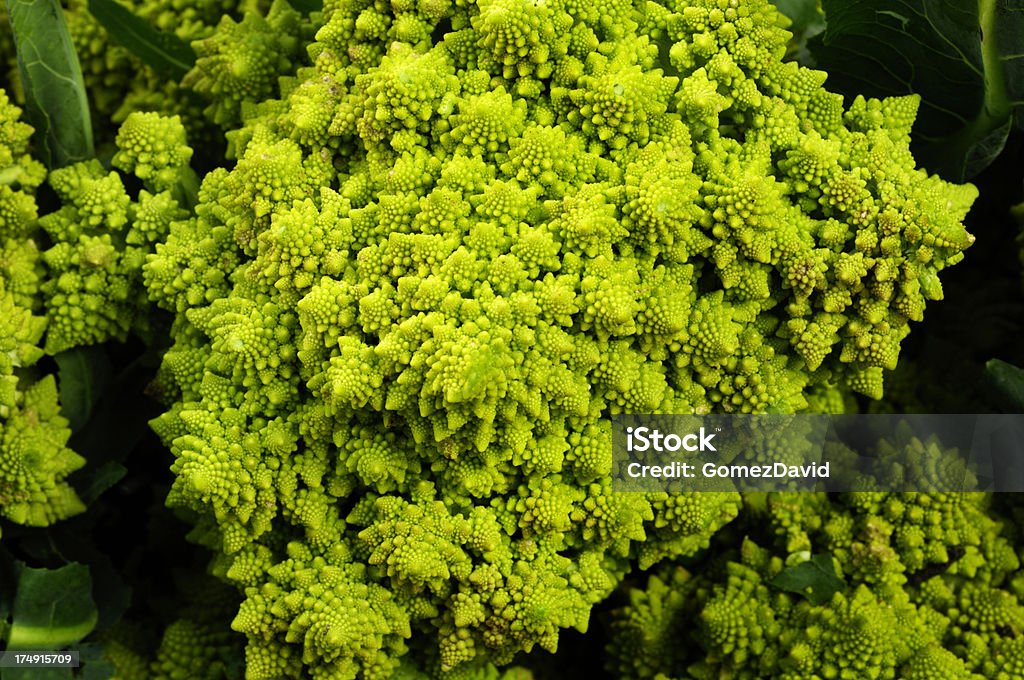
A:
{"x":94,"y":665}
{"x":307,"y":6}
{"x":56,"y":103}
{"x":52,"y":608}
{"x":815,"y":579}
{"x":8,"y":588}
{"x":965,"y":59}
{"x":105,"y":476}
{"x":807,"y":21}
{"x":120,"y":417}
{"x":1008,"y":380}
{"x":165,"y":53}
{"x":83,"y":374}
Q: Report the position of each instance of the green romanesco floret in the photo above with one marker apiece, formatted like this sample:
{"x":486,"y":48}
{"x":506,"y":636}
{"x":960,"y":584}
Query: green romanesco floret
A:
{"x":197,"y":644}
{"x":100,"y":237}
{"x":20,"y":174}
{"x":239,"y":62}
{"x":455,"y":246}
{"x":34,"y":458}
{"x":923,"y":591}
{"x":154,"y":149}
{"x":125,"y":649}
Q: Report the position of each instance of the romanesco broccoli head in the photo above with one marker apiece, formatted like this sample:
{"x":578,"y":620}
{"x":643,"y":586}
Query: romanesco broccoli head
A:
{"x":462,"y":239}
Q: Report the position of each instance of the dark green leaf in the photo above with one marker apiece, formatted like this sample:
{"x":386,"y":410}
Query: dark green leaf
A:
{"x":93,"y":665}
{"x":83,"y":374}
{"x":307,"y":6}
{"x":802,"y":13}
{"x":120,"y":418}
{"x":966,"y":60}
{"x":53,"y":608}
{"x":8,"y":573}
{"x":56,"y":103}
{"x":113,"y":596}
{"x":75,"y":541}
{"x":8,"y":588}
{"x":807,"y":22}
{"x":980,"y":154}
{"x":103,"y":477}
{"x":815,"y":579}
{"x":1008,"y":380}
{"x":165,"y":53}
